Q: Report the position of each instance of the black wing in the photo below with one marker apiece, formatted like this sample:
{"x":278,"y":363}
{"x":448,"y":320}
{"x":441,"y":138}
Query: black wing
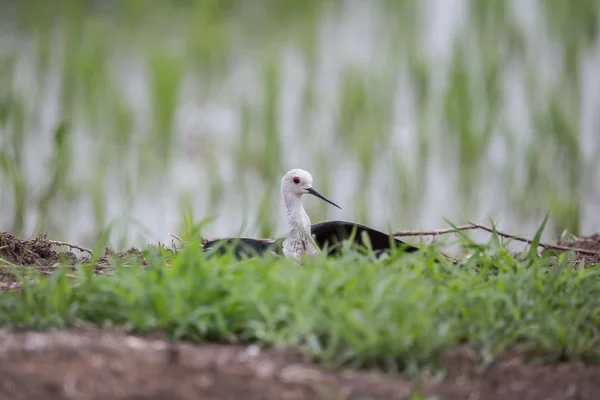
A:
{"x":332,"y":233}
{"x":242,"y":247}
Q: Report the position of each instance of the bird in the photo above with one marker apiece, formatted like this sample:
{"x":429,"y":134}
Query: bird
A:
{"x":299,"y":240}
{"x":304,"y":238}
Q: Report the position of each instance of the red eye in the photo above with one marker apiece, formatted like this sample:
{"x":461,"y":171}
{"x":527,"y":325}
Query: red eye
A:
{"x":296,"y":180}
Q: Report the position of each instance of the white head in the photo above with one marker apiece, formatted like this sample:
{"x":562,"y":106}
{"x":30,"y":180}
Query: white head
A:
{"x":297,"y":182}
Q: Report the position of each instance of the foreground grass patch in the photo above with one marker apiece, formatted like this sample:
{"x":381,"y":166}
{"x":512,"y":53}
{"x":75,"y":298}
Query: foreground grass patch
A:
{"x":402,"y":312}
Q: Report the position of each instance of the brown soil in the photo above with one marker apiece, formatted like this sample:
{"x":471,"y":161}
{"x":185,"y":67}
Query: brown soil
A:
{"x":111,"y":365}
{"x":108,"y":364}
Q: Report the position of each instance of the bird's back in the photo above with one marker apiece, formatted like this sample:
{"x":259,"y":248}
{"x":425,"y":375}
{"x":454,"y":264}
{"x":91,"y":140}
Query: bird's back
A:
{"x":242,"y":247}
{"x":332,"y":233}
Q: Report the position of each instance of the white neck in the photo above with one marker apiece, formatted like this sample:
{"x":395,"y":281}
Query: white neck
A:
{"x":297,"y":219}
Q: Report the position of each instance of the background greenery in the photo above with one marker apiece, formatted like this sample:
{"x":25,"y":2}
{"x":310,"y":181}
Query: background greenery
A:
{"x":127,"y":113}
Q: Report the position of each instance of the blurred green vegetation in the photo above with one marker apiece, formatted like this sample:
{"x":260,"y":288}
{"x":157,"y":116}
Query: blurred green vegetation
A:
{"x":87,"y":52}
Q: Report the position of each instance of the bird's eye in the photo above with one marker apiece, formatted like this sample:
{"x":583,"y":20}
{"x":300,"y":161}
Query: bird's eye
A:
{"x":296,"y":180}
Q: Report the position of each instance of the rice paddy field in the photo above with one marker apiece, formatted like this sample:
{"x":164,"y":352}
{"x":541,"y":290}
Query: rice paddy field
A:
{"x":131,"y":130}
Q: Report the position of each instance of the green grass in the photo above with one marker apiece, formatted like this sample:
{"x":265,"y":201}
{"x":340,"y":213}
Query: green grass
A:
{"x":399,"y":313}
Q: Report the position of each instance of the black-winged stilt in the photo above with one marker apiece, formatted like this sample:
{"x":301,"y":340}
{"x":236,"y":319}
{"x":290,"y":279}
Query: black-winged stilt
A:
{"x":303,"y":237}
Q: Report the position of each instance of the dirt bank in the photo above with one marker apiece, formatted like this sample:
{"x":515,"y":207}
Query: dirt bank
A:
{"x":96,"y":364}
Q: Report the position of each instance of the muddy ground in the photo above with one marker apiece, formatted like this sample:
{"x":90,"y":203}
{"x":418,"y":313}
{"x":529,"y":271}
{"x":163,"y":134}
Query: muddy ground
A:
{"x":109,"y":364}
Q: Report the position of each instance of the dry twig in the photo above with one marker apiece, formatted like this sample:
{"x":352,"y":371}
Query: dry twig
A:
{"x":544,"y":245}
{"x":436,"y":232}
{"x":2,"y":260}
{"x":70,"y":245}
{"x":472,"y":226}
{"x":176,"y":237}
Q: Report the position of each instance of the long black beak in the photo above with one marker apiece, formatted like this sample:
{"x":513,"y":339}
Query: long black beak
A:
{"x":319,"y":195}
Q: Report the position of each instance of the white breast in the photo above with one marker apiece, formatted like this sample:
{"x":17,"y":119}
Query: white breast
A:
{"x":296,"y":246}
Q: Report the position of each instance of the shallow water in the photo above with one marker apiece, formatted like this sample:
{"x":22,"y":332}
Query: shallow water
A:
{"x":220,"y":168}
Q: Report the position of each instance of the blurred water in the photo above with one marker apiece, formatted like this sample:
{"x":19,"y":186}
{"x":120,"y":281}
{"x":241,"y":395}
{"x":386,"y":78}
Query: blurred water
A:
{"x":208,"y":125}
